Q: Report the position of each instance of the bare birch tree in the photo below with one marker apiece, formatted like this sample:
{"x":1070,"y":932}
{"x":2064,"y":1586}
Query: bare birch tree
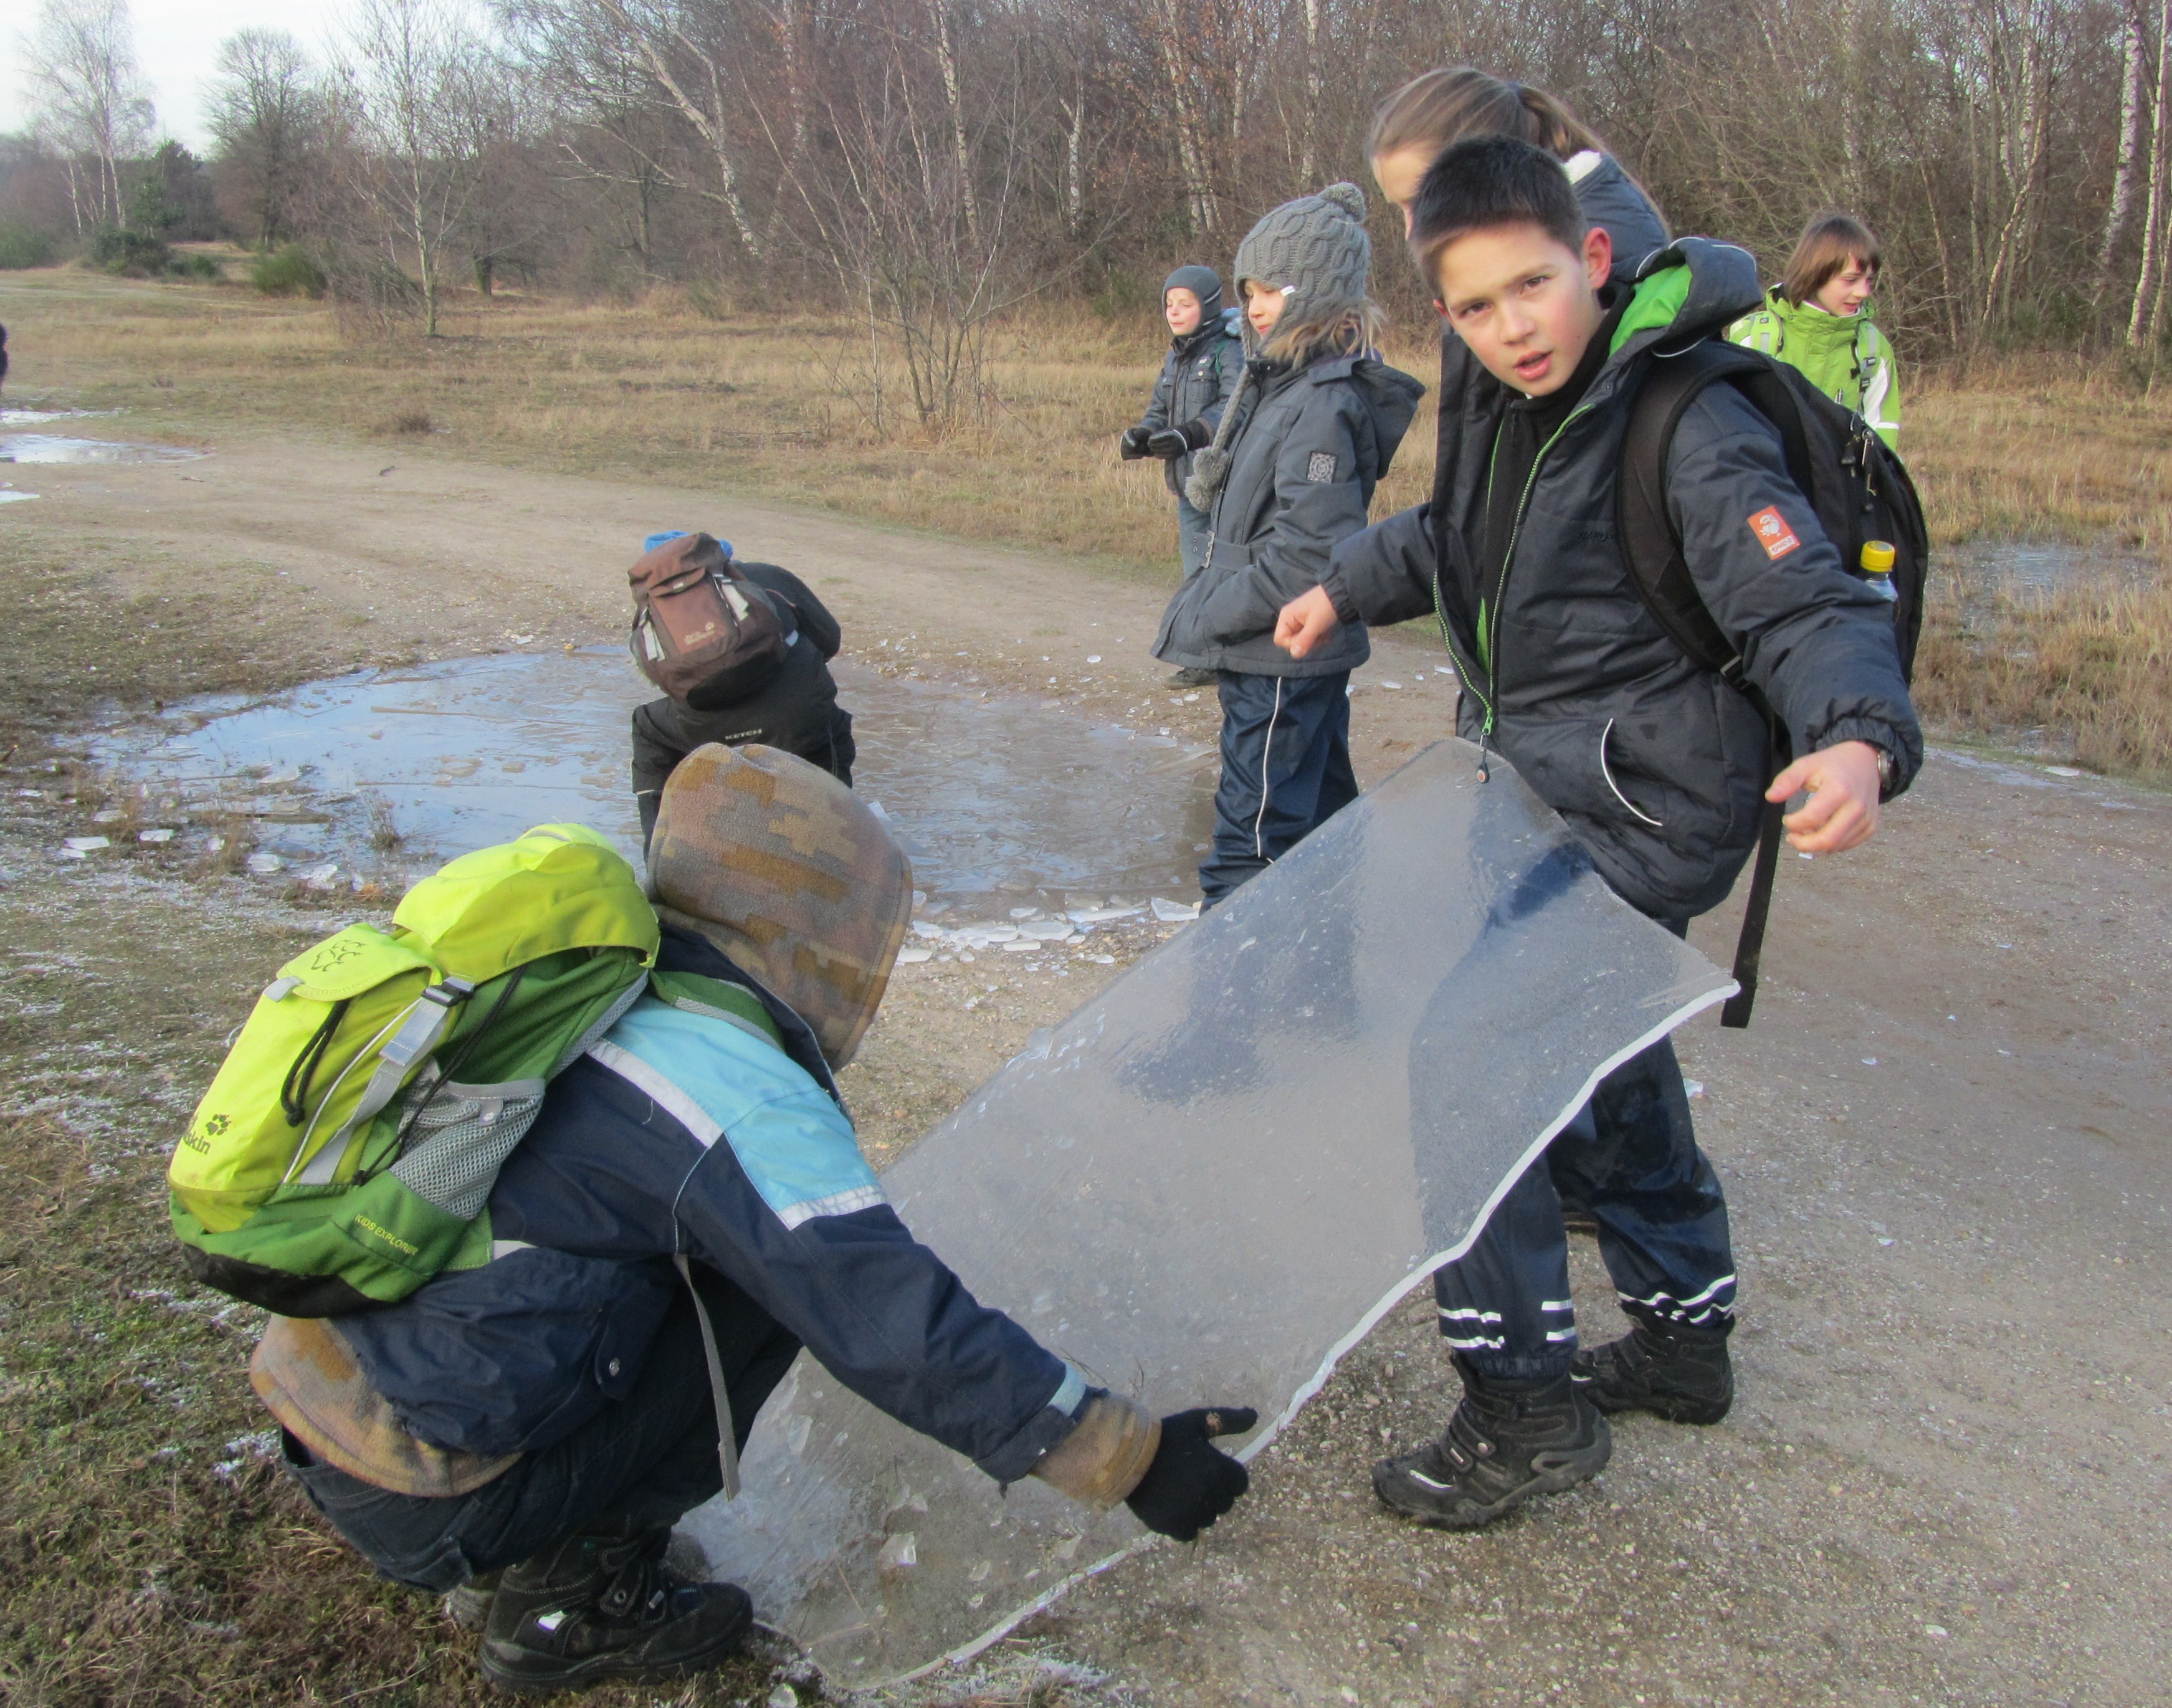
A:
{"x":87,"y":100}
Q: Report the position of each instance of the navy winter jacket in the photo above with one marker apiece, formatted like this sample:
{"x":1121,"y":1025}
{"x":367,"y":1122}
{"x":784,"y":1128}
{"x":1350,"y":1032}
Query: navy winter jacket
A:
{"x":1658,"y":765}
{"x":1312,"y":444}
{"x":683,"y":1133}
{"x":1198,"y":376}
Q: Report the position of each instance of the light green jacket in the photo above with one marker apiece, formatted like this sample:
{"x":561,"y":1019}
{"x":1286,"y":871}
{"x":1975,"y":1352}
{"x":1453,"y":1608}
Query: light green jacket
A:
{"x":1848,"y":359}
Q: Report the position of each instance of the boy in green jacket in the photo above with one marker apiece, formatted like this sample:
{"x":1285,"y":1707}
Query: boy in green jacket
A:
{"x":1817,"y":320}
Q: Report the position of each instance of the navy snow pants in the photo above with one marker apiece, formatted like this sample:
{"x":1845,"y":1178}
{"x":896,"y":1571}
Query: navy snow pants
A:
{"x":1285,"y":771}
{"x":1631,"y":1156}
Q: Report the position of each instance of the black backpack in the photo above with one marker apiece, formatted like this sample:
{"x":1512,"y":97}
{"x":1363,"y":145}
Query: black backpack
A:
{"x":1860,"y":491}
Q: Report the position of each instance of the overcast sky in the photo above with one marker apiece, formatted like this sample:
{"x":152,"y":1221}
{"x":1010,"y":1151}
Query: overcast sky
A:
{"x":176,"y":41}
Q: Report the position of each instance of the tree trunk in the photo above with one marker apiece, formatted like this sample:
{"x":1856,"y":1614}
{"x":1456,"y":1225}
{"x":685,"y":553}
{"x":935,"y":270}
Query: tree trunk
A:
{"x":2152,"y":218}
{"x":485,"y":272}
{"x":1307,"y":167}
{"x":947,"y":62}
{"x":1190,"y":145}
{"x":1075,"y":150}
{"x":2134,"y":50}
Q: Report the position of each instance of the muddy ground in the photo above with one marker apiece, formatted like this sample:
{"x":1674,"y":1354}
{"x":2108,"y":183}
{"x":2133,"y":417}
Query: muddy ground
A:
{"x":1943,"y":1139}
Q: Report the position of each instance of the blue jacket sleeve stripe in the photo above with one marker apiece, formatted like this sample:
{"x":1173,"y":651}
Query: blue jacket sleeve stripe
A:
{"x":794,"y":1145}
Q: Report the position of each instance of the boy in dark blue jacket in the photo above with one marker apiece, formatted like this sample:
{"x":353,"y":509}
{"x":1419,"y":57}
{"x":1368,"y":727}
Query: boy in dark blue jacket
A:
{"x":1656,"y":763}
{"x":526,"y":1433}
{"x":1199,"y":375}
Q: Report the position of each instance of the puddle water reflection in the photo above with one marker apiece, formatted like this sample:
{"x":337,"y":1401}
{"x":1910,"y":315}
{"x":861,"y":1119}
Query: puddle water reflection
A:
{"x":48,"y":448}
{"x":996,"y":795}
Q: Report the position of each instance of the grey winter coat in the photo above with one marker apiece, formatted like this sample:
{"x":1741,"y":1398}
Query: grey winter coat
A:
{"x":1658,"y":765}
{"x":1198,"y":377}
{"x":1314,"y":443}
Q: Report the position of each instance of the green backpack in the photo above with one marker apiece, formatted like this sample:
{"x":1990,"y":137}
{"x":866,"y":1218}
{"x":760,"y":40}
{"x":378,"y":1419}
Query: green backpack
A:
{"x":346,"y":1149}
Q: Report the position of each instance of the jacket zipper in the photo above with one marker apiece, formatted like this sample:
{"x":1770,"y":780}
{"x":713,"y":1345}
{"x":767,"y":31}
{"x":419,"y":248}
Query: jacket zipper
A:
{"x":1490,"y":638}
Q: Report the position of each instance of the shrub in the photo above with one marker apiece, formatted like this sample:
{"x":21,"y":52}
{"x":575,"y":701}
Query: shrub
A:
{"x":22,"y":246}
{"x":413,"y":418}
{"x":203,"y":266}
{"x":131,"y":254}
{"x":289,"y":271}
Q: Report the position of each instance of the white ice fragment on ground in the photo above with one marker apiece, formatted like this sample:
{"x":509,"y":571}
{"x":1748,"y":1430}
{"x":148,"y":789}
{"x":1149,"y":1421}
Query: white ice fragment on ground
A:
{"x":1386,"y":684}
{"x":243,"y":1448}
{"x":1883,"y":1240}
{"x":1023,"y":945}
{"x":1189,"y":698}
{"x":2057,"y":771}
{"x":319,"y":877}
{"x":1074,"y":940}
{"x":11,"y":497}
{"x":1102,"y":960}
{"x":280,"y":780}
{"x":84,"y":844}
{"x":783,"y":1696}
{"x":1046,"y":930}
{"x":1102,"y":916}
{"x":1093,"y":658}
{"x":31,"y":794}
{"x":264,"y":864}
{"x":215,"y":844}
{"x":965,"y":956}
{"x":1870,"y":1061}
{"x":1348,"y":692}
{"x":1171,"y":912}
{"x":111,"y":814}
{"x":154,"y":835}
{"x":1025,"y":912}
{"x":920,"y":928}
{"x":1805,"y":857}
{"x":1934,"y":1630}
{"x":876,"y":808}
{"x":900,"y":1551}
{"x":1694,"y":1088}
{"x":920,"y":898}
{"x":907,"y":957}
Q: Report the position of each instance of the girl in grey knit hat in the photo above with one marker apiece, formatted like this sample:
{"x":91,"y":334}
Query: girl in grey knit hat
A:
{"x":1290,"y":471}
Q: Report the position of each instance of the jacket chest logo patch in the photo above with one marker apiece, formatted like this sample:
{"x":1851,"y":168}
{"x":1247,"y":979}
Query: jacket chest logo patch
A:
{"x":1772,"y":532}
{"x":1321,"y":467}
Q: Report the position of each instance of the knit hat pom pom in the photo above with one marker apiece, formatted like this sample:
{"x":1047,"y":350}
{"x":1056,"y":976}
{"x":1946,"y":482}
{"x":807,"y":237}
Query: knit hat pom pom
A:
{"x":1346,"y":196}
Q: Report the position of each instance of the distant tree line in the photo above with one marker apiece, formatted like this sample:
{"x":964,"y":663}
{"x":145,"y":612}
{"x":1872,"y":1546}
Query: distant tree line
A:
{"x":924,"y":165}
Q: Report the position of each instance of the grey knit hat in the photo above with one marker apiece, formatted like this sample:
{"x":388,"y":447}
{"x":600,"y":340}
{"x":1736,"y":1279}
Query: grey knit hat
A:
{"x":1314,"y":248}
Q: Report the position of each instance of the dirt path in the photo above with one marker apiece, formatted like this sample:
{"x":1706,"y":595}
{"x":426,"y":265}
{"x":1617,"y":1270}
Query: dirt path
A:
{"x":1944,"y":1142}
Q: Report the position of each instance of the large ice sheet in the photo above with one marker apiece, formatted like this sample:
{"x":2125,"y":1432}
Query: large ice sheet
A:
{"x":1212,"y":1180}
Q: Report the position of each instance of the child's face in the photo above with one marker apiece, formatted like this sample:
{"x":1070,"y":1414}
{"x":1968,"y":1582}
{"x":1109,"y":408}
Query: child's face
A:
{"x":1847,"y":290}
{"x":1263,"y":305}
{"x":1399,"y":174}
{"x":1181,"y":308}
{"x":1525,"y":303}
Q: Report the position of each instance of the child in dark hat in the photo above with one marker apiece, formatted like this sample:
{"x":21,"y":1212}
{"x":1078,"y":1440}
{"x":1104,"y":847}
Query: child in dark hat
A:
{"x":1289,"y":471}
{"x":1204,"y":362}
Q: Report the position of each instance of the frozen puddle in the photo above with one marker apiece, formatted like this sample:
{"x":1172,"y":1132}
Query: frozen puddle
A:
{"x":49,"y":448}
{"x":992,"y":799}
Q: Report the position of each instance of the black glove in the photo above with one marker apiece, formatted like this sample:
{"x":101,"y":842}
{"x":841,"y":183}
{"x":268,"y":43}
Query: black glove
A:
{"x":1132,"y":443}
{"x":1173,"y":442}
{"x":1191,"y":1482}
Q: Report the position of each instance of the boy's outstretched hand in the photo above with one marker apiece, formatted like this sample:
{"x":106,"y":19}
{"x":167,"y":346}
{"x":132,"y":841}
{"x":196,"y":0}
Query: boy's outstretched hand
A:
{"x":1306,"y":621}
{"x":1843,"y":784}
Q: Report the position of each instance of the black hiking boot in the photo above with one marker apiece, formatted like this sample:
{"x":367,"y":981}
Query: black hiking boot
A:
{"x":468,"y":1607}
{"x":1680,"y":1374}
{"x":598,"y":1608}
{"x":1506,"y":1442}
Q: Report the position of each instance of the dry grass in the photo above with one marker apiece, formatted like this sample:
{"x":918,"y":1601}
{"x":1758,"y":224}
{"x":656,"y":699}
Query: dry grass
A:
{"x":779,"y":405}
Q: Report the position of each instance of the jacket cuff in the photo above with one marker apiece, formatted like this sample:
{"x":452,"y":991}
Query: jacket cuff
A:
{"x":1338,"y":594}
{"x":1043,"y":1431}
{"x":1907,"y":756}
{"x":1106,"y":1455}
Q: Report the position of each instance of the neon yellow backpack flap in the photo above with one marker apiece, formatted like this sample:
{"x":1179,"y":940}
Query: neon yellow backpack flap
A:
{"x":349,"y":1139}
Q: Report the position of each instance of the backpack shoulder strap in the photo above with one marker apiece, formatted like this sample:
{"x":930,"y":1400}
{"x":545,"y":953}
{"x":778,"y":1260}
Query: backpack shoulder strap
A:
{"x":1652,"y":551}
